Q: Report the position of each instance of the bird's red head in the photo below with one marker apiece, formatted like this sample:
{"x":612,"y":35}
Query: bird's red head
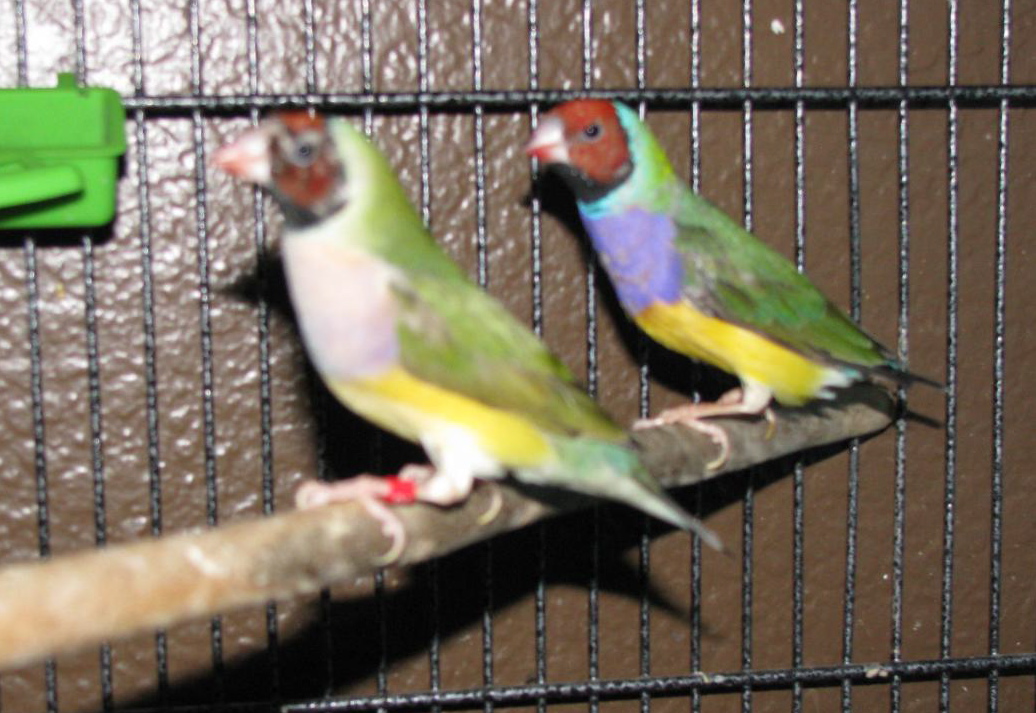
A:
{"x":585,"y":135}
{"x":292,"y":154}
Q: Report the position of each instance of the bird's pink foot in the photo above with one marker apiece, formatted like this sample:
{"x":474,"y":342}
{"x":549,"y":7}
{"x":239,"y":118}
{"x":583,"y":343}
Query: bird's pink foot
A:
{"x":729,"y":398}
{"x":689,"y":416}
{"x":416,"y":474}
{"x":736,"y":398}
{"x":371,"y":492}
{"x":752,"y":400}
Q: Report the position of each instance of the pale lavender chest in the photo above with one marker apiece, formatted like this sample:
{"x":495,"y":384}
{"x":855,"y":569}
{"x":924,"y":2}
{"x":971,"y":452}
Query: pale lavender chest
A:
{"x":345,"y":307}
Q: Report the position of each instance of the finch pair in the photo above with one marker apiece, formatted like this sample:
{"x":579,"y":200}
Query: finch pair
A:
{"x":401,"y":336}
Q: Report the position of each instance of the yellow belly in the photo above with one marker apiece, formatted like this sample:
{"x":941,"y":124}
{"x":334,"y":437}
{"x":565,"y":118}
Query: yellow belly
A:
{"x":791,"y":377}
{"x":417,"y":410}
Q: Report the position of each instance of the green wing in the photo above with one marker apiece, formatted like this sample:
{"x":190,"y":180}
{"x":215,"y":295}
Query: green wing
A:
{"x":732,"y":275}
{"x":454,"y":335}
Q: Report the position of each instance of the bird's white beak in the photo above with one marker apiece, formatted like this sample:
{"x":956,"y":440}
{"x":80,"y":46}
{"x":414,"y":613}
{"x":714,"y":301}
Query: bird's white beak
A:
{"x":547,"y":142}
{"x":247,"y":158}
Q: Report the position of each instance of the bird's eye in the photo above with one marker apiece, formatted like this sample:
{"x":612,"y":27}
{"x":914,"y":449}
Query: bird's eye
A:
{"x":305,"y":153}
{"x":592,"y":131}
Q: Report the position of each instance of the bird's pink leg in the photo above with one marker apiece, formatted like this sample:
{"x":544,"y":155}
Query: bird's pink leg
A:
{"x":371,"y":492}
{"x":414,"y":483}
{"x":751,"y":400}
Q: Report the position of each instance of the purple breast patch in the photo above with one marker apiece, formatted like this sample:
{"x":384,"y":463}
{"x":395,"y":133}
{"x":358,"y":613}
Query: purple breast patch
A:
{"x":636,"y":248}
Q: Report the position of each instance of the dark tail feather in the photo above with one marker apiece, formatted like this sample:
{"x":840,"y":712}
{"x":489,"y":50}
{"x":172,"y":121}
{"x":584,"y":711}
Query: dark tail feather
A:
{"x":667,"y":509}
{"x":897,"y":375}
{"x":615,"y":471}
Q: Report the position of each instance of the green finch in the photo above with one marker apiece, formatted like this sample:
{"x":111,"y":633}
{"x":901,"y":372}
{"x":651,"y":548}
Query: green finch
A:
{"x":695,"y":280}
{"x":402,"y":337}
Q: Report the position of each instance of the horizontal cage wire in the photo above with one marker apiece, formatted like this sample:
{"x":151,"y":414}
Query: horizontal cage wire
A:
{"x":552,"y":615}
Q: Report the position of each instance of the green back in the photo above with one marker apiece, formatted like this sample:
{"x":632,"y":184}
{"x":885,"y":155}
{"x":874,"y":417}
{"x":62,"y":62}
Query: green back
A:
{"x":460,"y":338}
{"x":731,"y":274}
{"x":451,"y":333}
{"x":734,"y":276}
{"x":381,"y":218}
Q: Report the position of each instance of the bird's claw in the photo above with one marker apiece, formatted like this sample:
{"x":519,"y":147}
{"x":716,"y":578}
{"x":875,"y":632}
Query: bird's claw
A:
{"x":391,"y":527}
{"x":496,"y":504}
{"x":771,"y":421}
{"x":371,"y":492}
{"x":686,"y":416}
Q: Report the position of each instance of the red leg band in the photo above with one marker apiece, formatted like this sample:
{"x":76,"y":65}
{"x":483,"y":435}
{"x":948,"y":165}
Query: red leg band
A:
{"x":401,"y":491}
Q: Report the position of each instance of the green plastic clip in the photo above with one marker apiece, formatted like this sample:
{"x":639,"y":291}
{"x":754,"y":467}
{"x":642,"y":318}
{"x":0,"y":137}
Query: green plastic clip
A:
{"x":59,"y":155}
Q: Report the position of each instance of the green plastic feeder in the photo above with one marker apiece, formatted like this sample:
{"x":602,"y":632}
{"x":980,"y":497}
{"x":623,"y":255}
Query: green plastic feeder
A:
{"x":59,"y":155}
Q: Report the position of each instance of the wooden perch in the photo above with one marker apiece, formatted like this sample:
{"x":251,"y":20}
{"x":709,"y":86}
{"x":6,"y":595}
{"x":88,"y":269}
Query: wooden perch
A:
{"x":78,"y":600}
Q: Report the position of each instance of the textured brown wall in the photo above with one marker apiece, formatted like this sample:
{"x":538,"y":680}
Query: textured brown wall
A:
{"x":304,"y":661}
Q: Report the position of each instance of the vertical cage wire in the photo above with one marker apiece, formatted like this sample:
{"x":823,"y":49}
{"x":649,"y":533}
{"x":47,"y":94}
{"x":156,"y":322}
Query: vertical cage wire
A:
{"x":899,"y":508}
{"x":433,"y":573}
{"x":482,"y":277}
{"x":140,"y":121}
{"x":50,"y":674}
{"x":594,"y":592}
{"x":644,"y":397}
{"x":93,"y":373}
{"x":93,"y":369}
{"x":952,"y":337}
{"x":201,"y":224}
{"x":799,"y":472}
{"x":259,"y":241}
{"x":999,"y":364}
{"x":855,"y":311}
{"x":536,"y":279}
{"x":696,"y":552}
{"x":748,"y":505}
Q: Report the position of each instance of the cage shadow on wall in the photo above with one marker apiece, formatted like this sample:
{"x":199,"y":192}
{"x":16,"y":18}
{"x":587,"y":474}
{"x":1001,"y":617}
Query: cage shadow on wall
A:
{"x":154,"y":381}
